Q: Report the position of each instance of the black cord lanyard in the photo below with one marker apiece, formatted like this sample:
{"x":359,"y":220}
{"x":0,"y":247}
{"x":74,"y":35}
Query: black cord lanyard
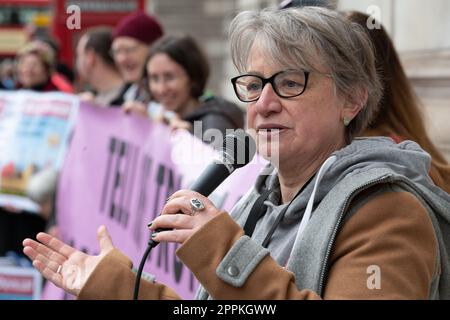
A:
{"x":259,"y":209}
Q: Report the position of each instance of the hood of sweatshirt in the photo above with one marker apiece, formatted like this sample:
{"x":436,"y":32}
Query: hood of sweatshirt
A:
{"x":406,"y":159}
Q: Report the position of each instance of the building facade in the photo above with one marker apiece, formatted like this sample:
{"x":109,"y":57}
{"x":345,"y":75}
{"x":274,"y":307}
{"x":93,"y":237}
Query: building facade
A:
{"x":419,"y":30}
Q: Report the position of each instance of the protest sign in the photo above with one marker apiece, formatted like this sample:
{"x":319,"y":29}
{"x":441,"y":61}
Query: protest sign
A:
{"x":34,"y":132}
{"x":18,"y":283}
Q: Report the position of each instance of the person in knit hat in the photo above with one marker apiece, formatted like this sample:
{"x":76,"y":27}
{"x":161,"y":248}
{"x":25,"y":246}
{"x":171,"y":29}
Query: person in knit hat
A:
{"x":132,"y":38}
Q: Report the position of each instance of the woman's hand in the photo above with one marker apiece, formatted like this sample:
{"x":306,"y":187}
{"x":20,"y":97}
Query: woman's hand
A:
{"x":87,"y":96}
{"x":173,"y":120}
{"x":135,"y":107}
{"x":177,"y":123}
{"x":63,"y":265}
{"x":182,"y":216}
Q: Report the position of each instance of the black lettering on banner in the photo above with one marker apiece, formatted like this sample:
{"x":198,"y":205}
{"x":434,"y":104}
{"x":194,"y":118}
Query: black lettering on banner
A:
{"x":113,"y":208}
{"x":159,"y":183}
{"x":172,"y":185}
{"x":132,"y":159}
{"x":111,"y":150}
{"x":122,"y":157}
{"x":142,"y":200}
{"x":123,"y":215}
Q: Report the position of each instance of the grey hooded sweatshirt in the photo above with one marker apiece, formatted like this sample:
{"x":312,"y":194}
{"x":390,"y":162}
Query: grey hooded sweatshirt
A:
{"x":353,"y":169}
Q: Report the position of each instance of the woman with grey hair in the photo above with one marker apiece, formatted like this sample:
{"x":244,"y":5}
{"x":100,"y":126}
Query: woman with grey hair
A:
{"x":331,"y":217}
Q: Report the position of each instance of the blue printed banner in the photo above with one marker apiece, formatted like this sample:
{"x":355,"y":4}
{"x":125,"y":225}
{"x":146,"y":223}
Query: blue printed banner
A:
{"x":34,"y":133}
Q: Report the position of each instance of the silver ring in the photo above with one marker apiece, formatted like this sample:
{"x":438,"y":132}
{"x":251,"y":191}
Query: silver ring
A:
{"x":196,"y":205}
{"x":59,"y":269}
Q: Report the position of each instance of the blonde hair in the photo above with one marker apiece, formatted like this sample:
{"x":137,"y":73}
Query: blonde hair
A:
{"x":42,"y":50}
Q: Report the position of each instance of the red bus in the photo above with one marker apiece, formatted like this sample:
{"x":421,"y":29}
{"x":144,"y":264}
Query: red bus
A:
{"x":51,"y":16}
{"x":15,"y":16}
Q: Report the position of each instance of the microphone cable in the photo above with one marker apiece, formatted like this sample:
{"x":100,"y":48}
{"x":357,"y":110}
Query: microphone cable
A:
{"x":151,"y":245}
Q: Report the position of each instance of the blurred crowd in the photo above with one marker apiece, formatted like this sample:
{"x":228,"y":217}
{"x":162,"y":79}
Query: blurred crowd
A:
{"x":132,"y":66}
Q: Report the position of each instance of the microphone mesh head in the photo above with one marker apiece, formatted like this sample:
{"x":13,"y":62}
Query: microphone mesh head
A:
{"x":238,"y":149}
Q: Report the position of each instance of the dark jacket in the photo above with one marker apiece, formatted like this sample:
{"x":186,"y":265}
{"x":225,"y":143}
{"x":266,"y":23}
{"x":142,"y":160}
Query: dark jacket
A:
{"x":217,"y":113}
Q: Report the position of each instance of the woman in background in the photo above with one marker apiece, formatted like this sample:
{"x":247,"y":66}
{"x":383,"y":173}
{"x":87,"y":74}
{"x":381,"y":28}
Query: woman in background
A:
{"x":177,"y":72}
{"x":400,"y":115}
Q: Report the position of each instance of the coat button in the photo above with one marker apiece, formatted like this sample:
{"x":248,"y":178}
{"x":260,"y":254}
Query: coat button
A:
{"x":233,"y":271}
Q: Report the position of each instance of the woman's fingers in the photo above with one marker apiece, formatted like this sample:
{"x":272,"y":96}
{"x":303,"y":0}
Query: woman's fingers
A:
{"x":48,"y":273}
{"x":183,"y":216}
{"x":42,"y":259}
{"x":55,"y":244}
{"x":177,"y":205}
{"x":173,"y":221}
{"x":44,"y":250}
{"x":177,"y":123}
{"x":180,"y":201}
{"x":135,"y":107}
{"x":179,"y":235}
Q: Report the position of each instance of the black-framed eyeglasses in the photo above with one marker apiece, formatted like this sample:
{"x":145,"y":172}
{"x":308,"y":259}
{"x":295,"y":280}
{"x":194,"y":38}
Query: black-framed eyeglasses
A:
{"x":286,"y":84}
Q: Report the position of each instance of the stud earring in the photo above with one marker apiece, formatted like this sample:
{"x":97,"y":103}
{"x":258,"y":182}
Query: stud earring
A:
{"x":346,"y":122}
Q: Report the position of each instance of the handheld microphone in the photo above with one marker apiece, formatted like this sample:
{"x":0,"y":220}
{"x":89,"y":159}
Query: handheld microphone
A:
{"x":238,"y":149}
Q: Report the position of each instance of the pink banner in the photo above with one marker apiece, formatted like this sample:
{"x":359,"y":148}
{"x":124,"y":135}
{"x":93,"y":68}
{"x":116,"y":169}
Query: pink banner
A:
{"x":118,"y":172}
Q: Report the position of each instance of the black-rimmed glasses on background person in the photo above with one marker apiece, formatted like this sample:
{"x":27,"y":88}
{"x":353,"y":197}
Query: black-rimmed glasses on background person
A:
{"x":286,"y":84}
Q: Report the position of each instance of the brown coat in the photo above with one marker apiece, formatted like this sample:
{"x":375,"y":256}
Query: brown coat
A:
{"x":392,"y":230}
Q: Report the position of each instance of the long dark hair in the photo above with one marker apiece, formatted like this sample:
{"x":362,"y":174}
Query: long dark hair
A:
{"x":400,"y":111}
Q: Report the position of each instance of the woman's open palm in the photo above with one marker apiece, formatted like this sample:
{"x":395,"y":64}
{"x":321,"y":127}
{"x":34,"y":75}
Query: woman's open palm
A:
{"x":50,"y":253}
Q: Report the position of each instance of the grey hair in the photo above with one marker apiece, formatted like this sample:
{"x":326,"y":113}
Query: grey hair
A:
{"x":302,"y":37}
